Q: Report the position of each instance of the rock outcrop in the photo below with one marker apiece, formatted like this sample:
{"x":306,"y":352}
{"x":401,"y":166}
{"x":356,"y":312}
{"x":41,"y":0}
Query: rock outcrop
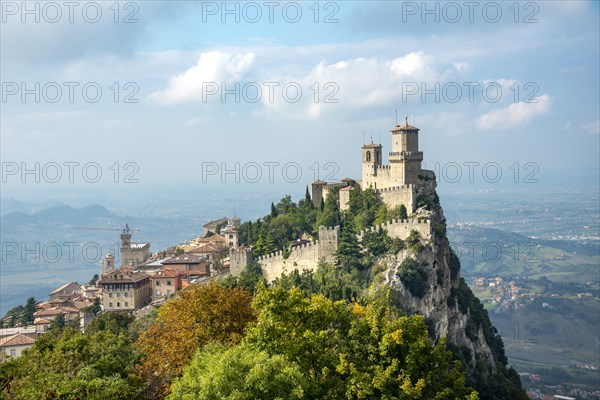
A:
{"x":448,"y":305}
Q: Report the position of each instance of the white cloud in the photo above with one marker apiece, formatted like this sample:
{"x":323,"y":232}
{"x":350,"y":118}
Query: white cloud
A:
{"x":516,"y":114}
{"x":195,"y":121}
{"x":360,"y":82}
{"x":591,"y":127}
{"x":212,"y":67}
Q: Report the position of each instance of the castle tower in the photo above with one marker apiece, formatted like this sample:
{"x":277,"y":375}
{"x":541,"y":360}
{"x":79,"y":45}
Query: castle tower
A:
{"x":108,"y":263}
{"x":329,"y":239}
{"x":405,"y":157}
{"x":317,"y":192}
{"x":371,"y":162}
{"x":125,"y":245}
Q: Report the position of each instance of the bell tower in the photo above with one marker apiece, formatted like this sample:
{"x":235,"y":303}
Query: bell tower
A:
{"x":371,"y":162}
{"x":108,"y":263}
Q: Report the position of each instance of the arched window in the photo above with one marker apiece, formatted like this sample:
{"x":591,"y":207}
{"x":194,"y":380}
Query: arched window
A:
{"x":368,"y":156}
{"x":376,"y":157}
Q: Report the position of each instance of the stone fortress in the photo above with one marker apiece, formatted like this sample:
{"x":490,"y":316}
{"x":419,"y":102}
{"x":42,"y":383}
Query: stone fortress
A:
{"x":398,"y":183}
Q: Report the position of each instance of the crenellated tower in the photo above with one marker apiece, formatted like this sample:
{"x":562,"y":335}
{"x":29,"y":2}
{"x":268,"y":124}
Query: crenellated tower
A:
{"x":405,"y":157}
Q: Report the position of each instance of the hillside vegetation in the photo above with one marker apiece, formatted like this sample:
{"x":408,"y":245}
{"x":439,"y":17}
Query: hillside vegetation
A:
{"x":335,"y":333}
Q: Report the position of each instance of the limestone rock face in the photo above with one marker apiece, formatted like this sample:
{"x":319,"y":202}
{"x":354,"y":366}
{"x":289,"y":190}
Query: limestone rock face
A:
{"x":437,"y":304}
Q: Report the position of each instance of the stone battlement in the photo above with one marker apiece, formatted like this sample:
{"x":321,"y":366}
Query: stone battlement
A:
{"x":384,"y":166}
{"x":337,"y":184}
{"x":394,"y":188}
{"x":401,"y":228}
{"x":296,"y":249}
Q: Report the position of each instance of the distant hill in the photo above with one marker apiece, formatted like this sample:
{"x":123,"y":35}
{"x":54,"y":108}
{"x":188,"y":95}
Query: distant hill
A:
{"x":9,"y":205}
{"x":491,"y":252}
{"x":63,"y":214}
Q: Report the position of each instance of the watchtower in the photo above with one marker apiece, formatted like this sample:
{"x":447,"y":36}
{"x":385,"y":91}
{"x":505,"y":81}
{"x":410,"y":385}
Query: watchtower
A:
{"x":405,"y":157}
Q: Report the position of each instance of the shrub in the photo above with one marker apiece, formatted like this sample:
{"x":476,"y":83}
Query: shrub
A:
{"x":413,"y":276}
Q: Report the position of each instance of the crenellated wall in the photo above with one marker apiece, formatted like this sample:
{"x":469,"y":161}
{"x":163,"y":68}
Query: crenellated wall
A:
{"x":397,"y":195}
{"x":401,"y":228}
{"x":238,"y":259}
{"x":302,"y":257}
{"x":307,"y":256}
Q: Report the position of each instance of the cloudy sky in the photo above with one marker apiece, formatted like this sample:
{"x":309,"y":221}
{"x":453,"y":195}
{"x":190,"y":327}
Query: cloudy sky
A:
{"x":172,"y":93}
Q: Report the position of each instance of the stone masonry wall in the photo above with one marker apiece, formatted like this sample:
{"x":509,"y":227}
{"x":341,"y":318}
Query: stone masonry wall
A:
{"x":402,"y":228}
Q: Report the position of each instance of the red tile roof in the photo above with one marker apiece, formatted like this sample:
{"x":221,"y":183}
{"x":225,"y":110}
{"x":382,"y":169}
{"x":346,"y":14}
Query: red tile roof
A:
{"x":18,"y":339}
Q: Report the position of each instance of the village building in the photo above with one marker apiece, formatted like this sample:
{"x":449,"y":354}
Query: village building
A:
{"x":125,"y":290}
{"x":188,"y":262}
{"x":69,"y":289}
{"x":165,"y":282}
{"x":213,"y":226}
{"x":77,"y":309}
{"x":13,"y":345}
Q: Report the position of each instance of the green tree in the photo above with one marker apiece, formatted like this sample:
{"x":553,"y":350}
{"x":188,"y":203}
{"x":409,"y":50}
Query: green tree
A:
{"x":413,"y":241}
{"x":377,"y":242}
{"x":94,"y":279}
{"x":273,"y":210}
{"x":68,"y":364}
{"x":402,"y":213}
{"x":96,"y":306}
{"x":348,"y":253}
{"x":114,"y":322}
{"x":350,"y":351}
{"x":304,"y":330}
{"x":251,"y":276}
{"x":413,"y":276}
{"x":58,"y":323}
{"x":307,"y":202}
{"x":241,"y":372}
{"x":330,"y":214}
{"x":28,"y":311}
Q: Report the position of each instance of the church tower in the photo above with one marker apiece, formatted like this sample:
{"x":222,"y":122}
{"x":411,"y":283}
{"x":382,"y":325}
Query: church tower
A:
{"x":108,"y":263}
{"x":231,"y":235}
{"x":371,"y":162}
{"x":405,"y":157}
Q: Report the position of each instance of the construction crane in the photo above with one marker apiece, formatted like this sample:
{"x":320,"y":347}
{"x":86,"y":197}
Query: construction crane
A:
{"x":125,"y":230}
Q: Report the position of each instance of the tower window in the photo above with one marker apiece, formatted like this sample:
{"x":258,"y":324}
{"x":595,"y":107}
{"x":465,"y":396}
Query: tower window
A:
{"x":368,"y":156}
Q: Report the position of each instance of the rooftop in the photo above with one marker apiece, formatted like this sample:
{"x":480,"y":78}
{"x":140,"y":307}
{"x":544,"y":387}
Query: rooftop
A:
{"x":405,"y":127}
{"x":215,"y":222}
{"x":63,"y":287}
{"x":210,"y":239}
{"x":208,"y":248}
{"x":122,"y":275}
{"x":185,"y":258}
{"x":165,"y":273}
{"x":18,"y":339}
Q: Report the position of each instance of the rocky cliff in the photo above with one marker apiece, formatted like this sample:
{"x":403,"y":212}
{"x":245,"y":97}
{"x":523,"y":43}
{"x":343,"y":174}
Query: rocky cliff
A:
{"x":425,"y":279}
